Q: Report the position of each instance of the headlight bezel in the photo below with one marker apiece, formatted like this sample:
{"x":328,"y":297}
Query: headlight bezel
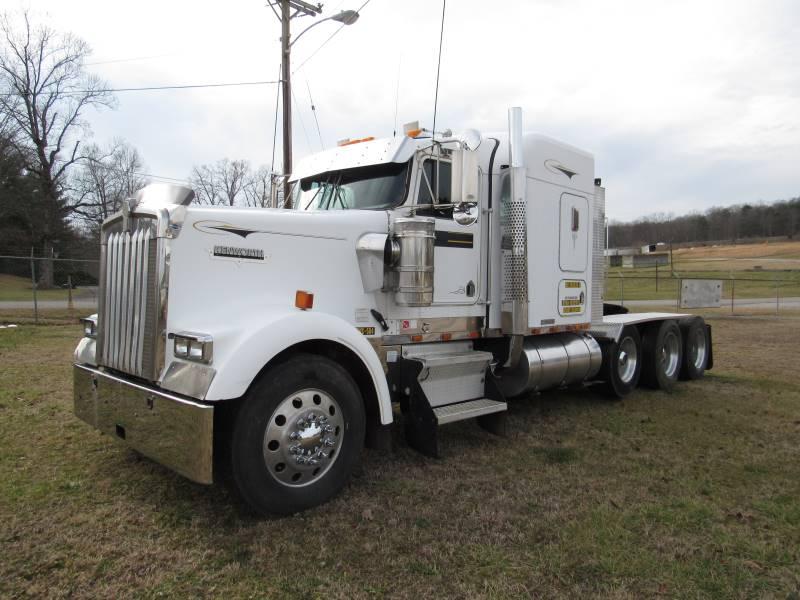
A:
{"x":194,"y":347}
{"x":90,"y":326}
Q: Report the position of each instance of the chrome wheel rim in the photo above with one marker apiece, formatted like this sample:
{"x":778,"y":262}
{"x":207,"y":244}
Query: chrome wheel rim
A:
{"x":668,"y":357}
{"x":627,"y":359}
{"x":303,"y":438}
{"x":699,"y":350}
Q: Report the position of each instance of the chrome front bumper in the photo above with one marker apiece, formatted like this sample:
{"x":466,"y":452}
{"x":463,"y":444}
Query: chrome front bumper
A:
{"x":175,"y":432}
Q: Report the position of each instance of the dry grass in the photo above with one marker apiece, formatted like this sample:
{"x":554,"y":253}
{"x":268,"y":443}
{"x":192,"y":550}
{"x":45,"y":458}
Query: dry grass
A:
{"x":788,"y":249}
{"x":682,"y":495}
{"x":47,"y":316}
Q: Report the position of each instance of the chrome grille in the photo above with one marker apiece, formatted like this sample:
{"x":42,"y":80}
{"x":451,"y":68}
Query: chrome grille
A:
{"x":128,"y":323}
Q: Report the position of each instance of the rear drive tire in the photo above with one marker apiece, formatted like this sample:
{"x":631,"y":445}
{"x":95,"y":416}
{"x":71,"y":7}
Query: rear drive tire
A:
{"x":696,"y":347}
{"x":662,"y":347}
{"x":298,"y":436}
{"x":622,"y":364}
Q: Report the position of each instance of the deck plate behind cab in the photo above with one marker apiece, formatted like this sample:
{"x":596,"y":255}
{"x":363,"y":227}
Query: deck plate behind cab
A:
{"x":611,"y":326}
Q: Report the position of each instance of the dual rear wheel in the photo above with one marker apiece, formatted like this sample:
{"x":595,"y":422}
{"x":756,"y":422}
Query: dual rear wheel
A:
{"x":657,"y":355}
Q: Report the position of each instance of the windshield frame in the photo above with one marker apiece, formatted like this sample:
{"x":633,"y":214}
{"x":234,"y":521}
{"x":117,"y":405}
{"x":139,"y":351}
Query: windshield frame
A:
{"x":407,"y":179}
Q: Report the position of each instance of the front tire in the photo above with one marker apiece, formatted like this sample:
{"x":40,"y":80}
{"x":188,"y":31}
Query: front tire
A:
{"x":298,"y":436}
{"x":663,"y":352}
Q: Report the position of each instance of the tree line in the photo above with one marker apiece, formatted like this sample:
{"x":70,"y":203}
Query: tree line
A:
{"x":718,"y":224}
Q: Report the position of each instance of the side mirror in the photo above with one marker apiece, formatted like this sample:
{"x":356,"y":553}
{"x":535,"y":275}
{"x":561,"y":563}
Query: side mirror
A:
{"x":465,"y":186}
{"x":466,"y":213}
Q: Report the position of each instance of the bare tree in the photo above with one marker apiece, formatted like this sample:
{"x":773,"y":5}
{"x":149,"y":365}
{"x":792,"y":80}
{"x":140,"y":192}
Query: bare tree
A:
{"x":221,"y":183}
{"x":109,"y":176}
{"x":44,"y":90}
{"x":258,"y":188}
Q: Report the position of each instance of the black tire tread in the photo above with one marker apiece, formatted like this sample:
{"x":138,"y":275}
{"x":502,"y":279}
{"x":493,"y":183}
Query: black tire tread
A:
{"x":251,"y":478}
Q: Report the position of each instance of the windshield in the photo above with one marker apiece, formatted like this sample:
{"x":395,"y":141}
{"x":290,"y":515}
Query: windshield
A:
{"x":375,"y":187}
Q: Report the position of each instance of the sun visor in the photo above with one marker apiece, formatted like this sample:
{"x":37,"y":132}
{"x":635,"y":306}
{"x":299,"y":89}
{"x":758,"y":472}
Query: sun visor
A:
{"x":387,"y":150}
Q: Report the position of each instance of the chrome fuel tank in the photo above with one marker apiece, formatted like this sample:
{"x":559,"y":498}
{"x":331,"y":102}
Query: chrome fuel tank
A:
{"x":551,"y":361}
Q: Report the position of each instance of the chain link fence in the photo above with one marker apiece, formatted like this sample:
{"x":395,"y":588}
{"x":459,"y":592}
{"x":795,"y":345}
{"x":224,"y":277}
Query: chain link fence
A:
{"x":753,"y":294}
{"x":27,"y":296}
{"x":23,"y":298}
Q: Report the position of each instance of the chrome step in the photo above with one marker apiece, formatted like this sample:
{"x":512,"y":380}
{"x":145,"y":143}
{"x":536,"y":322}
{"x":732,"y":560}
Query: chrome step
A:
{"x":452,"y":372}
{"x":450,"y":413}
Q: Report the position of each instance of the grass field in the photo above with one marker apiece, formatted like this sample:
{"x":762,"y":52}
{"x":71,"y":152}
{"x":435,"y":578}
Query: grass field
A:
{"x":691,"y":494}
{"x":760,"y":270}
{"x":14,"y":288}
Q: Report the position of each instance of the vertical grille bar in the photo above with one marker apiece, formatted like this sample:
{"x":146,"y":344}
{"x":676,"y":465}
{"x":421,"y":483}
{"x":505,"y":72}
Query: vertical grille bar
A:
{"x":142,"y":299}
{"x":128,"y":311}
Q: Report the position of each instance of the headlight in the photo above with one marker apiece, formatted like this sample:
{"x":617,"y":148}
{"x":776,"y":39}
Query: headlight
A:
{"x":193,"y":346}
{"x":90,"y":326}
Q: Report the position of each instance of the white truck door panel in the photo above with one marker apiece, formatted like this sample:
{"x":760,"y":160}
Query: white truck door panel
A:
{"x":457,"y":262}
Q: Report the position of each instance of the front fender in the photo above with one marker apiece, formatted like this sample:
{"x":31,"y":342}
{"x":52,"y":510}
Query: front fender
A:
{"x":253,"y":349}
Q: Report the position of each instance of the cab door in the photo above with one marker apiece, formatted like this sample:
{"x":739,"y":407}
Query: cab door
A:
{"x":457,"y":258}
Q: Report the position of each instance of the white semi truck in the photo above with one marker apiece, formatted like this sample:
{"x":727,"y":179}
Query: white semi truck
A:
{"x":442,"y":273}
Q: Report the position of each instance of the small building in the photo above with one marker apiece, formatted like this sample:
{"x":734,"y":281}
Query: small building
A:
{"x":651,"y":255}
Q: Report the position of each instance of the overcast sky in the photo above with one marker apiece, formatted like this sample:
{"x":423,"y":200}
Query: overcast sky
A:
{"x":686,"y":104}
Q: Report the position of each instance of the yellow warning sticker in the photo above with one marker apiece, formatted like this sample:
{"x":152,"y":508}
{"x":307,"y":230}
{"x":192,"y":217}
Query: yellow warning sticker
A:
{"x":366,"y":330}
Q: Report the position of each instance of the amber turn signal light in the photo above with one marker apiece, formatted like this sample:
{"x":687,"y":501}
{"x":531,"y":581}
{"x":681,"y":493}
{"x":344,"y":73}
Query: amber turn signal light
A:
{"x":303,"y":300}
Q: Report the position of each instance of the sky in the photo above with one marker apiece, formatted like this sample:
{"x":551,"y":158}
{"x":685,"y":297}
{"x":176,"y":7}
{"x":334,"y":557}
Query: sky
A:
{"x":685,"y":104}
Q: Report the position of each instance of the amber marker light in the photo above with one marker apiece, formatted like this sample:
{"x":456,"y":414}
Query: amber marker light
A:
{"x":303,"y":300}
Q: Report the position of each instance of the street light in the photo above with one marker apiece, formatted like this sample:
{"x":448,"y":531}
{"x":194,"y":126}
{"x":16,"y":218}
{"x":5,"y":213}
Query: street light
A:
{"x":345,"y":17}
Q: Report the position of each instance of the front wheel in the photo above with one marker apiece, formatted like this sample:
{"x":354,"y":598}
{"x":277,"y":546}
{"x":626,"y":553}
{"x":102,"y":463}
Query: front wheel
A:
{"x":298,"y":435}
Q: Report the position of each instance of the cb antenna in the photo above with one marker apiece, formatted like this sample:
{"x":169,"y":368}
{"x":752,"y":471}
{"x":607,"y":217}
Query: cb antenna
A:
{"x":397,"y":95}
{"x":438,"y":67}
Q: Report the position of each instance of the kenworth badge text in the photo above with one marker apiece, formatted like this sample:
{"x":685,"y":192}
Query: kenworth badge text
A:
{"x":445,"y":273}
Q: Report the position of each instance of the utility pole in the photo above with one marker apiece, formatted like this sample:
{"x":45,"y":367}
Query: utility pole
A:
{"x":286,"y":88}
{"x":300,"y":8}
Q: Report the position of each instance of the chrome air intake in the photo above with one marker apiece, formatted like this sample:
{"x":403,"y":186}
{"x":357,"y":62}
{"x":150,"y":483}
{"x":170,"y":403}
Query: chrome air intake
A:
{"x":414,"y":267}
{"x":551,"y":361}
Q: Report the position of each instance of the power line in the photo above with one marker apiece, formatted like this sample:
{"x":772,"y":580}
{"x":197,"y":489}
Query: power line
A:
{"x":162,"y":87}
{"x":123,"y":60}
{"x":302,"y":123}
{"x":106,"y":167}
{"x":275,"y":127}
{"x":314,"y":112}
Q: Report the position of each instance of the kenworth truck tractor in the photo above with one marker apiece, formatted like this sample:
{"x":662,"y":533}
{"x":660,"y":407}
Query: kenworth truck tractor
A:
{"x":444,"y":274}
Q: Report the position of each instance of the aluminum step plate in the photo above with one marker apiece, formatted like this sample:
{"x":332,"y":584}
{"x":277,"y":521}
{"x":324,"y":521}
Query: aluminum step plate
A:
{"x":450,"y":413}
